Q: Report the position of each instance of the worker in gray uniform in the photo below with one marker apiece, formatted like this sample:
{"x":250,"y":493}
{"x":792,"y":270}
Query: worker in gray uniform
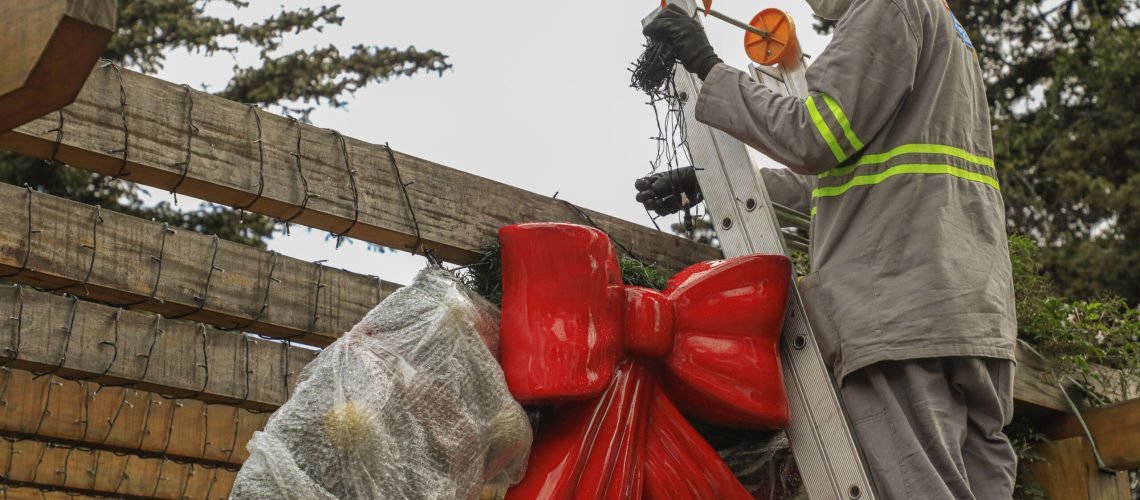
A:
{"x":911,"y":294}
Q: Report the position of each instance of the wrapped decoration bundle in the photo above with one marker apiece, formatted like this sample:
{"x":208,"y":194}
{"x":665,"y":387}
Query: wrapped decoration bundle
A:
{"x":410,"y":404}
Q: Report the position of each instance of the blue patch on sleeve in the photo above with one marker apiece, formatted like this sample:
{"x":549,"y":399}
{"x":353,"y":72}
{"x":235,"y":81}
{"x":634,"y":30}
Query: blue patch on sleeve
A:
{"x":962,"y":32}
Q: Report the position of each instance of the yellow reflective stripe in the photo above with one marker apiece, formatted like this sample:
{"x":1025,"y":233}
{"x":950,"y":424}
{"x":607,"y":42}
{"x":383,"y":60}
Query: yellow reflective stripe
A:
{"x":842,"y":118}
{"x":813,"y":209}
{"x":910,"y":149}
{"x":825,"y":131}
{"x":870,"y":180}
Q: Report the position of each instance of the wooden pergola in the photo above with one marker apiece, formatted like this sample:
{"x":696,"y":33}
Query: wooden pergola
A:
{"x":138,"y":359}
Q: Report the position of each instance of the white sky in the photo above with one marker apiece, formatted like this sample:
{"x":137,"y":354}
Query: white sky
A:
{"x":539,"y":97}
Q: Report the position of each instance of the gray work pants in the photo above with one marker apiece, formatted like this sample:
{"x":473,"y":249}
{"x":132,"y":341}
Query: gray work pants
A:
{"x":932,"y":428}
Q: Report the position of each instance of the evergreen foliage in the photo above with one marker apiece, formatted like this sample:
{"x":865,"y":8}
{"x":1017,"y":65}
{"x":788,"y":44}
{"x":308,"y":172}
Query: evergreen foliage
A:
{"x":298,"y":81}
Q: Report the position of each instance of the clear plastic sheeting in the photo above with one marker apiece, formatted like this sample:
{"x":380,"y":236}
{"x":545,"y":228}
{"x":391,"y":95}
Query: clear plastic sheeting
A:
{"x":410,"y":404}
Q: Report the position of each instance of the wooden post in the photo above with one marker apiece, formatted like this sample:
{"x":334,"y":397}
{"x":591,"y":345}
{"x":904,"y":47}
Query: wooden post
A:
{"x":47,"y":50}
{"x":1115,"y":428}
{"x":1068,"y":471}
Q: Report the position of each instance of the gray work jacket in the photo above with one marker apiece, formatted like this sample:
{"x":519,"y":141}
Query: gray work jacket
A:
{"x":891,"y":153}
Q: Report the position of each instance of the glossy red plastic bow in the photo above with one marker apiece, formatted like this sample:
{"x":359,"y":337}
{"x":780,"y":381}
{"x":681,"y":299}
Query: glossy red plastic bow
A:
{"x":628,"y":361}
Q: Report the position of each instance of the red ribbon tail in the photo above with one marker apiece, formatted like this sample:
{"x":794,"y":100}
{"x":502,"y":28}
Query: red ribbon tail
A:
{"x":596,"y":448}
{"x":629,"y":443}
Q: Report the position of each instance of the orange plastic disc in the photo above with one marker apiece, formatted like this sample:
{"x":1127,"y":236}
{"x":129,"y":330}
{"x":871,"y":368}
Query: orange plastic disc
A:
{"x":780,"y":44}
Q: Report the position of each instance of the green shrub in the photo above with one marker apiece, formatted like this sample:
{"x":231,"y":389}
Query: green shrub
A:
{"x":1074,"y":334}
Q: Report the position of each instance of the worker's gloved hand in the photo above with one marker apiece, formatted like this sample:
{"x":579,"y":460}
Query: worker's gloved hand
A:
{"x":675,"y":27}
{"x":669,"y":192}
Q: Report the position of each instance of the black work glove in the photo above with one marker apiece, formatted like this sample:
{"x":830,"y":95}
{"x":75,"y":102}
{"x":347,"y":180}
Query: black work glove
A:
{"x":675,"y":27}
{"x":669,"y":192}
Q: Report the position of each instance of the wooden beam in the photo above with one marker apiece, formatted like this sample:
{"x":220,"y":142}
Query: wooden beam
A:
{"x":78,"y":339}
{"x":25,"y":463}
{"x":241,"y":157}
{"x":172,"y":371}
{"x":1115,"y":429}
{"x":118,"y":259}
{"x":123,"y":420}
{"x":47,"y":50}
{"x":1034,"y":389}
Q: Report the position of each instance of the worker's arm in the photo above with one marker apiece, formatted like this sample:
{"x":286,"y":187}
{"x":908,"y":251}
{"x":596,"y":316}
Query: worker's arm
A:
{"x":670,"y":192}
{"x":855,"y":86}
{"x":788,"y":188}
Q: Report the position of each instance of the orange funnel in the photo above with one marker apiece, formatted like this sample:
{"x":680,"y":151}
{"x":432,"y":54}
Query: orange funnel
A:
{"x":780,"y":44}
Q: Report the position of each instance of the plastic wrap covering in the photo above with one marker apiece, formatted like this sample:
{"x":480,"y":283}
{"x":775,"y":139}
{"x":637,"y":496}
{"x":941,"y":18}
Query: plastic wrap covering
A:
{"x":410,"y":404}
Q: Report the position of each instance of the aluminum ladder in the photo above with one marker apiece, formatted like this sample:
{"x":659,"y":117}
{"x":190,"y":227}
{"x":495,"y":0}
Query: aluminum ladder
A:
{"x":745,"y":220}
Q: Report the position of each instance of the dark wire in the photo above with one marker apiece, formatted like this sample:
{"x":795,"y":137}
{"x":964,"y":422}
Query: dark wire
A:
{"x":125,"y":150}
{"x":411,"y":210}
{"x":355,"y":192}
{"x":191,"y":129}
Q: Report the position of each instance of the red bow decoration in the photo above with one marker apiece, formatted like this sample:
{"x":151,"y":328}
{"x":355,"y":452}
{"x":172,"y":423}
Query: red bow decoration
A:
{"x":628,"y":361}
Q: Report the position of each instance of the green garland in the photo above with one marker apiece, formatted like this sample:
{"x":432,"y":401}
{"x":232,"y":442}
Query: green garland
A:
{"x":485,"y":276}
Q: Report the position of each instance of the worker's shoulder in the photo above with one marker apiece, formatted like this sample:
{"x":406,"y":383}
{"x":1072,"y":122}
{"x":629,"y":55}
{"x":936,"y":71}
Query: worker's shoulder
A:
{"x":916,"y":9}
{"x":925,"y":18}
{"x":875,"y":14}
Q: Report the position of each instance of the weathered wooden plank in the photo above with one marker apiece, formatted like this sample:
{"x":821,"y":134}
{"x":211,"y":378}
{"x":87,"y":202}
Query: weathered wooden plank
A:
{"x":1068,"y":470}
{"x":123,"y":420}
{"x":118,"y":259}
{"x":241,"y":157}
{"x":17,"y":493}
{"x":36,"y":464}
{"x":1034,"y":390}
{"x":1115,"y":429}
{"x":1036,"y":387}
{"x":174,"y":363}
{"x":43,"y":332}
{"x":47,"y":50}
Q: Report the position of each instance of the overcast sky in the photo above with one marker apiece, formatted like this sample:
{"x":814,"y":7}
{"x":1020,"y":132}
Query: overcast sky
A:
{"x":539,"y":97}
